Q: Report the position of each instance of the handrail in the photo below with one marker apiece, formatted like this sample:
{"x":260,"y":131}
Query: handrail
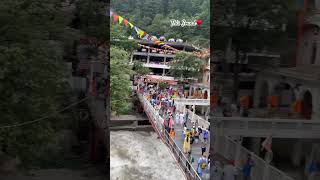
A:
{"x":261,"y":170}
{"x":193,"y":101}
{"x":233,"y":118}
{"x":199,"y":120}
{"x":261,"y":127}
{"x":156,"y":118}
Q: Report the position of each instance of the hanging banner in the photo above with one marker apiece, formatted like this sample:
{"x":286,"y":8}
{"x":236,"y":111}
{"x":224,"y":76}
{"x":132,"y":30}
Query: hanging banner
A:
{"x":120,"y":19}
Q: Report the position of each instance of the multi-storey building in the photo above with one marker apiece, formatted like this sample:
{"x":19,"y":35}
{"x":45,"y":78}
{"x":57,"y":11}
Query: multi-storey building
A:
{"x":280,"y":92}
{"x":158,"y":61}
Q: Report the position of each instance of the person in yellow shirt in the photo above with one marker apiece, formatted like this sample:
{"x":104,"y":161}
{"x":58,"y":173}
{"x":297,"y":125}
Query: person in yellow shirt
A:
{"x":186,"y":143}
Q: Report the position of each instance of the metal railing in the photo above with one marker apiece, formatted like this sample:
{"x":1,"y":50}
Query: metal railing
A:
{"x":157,"y":123}
{"x":261,"y":170}
{"x":204,"y":102}
{"x":198,"y":120}
{"x":262,"y":127}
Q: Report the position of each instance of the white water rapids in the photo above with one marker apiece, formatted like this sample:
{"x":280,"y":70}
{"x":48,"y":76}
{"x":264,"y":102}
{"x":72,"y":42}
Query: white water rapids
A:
{"x":141,"y":156}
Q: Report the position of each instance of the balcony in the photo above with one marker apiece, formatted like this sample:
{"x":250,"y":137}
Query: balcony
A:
{"x":156,"y":65}
{"x":137,"y":53}
{"x":312,"y":17}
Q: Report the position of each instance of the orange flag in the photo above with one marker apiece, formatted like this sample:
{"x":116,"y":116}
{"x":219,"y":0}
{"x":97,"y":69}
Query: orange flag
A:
{"x":115,"y":18}
{"x":125,"y":22}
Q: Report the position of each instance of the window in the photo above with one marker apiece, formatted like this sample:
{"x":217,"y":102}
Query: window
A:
{"x":314,"y":53}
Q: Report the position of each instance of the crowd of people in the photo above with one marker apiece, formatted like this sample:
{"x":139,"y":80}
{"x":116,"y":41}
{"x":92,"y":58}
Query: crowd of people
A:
{"x":163,"y":101}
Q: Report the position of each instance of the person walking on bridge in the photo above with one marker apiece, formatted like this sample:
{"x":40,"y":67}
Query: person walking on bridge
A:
{"x":190,"y":159}
{"x":172,"y":133}
{"x":186,"y":143}
{"x":229,"y":171}
{"x":202,"y":165}
{"x":205,"y":136}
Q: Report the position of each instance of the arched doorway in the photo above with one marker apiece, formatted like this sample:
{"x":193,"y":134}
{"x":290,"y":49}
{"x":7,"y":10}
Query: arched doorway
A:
{"x":285,"y":93}
{"x":264,"y":93}
{"x":306,"y":108}
{"x":205,"y":94}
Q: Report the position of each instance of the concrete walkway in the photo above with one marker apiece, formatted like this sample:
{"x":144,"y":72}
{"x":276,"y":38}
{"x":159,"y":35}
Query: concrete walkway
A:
{"x":195,"y":148}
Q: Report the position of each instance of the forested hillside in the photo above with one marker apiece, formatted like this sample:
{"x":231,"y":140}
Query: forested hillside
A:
{"x":153,"y":16}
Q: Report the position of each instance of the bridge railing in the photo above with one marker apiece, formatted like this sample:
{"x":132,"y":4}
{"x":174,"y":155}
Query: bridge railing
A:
{"x":192,"y":101}
{"x":231,"y":149}
{"x":198,"y":120}
{"x":157,"y":123}
{"x":262,"y":127}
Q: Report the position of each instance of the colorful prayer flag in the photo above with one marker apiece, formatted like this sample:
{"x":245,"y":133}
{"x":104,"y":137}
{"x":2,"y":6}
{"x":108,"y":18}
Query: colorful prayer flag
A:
{"x":141,"y":33}
{"x":115,"y":18}
{"x":125,"y":22}
{"x":120,"y":19}
{"x":136,"y":29}
{"x":131,"y":25}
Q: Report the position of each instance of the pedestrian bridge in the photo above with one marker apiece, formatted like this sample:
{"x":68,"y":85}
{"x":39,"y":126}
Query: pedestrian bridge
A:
{"x":262,"y":127}
{"x":197,"y":102}
{"x":224,"y":146}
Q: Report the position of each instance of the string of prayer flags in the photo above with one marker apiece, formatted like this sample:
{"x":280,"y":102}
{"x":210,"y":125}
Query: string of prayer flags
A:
{"x":140,"y":33}
{"x":120,"y":19}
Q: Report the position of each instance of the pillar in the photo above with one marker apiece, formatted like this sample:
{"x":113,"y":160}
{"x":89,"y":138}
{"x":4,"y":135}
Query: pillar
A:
{"x":148,"y":59}
{"x":297,"y":153}
{"x":164,"y":72}
{"x":190,"y":91}
{"x":148,"y":56}
{"x":315,"y":107}
{"x":164,"y":59}
{"x":194,"y":111}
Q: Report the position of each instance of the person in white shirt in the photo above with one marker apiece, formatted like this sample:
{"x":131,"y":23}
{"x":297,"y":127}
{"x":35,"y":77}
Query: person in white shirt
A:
{"x":229,"y":171}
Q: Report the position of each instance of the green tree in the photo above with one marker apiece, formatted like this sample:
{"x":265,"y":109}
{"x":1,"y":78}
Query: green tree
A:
{"x":186,"y":65}
{"x":120,"y":72}
{"x":154,"y":17}
{"x":33,"y":76}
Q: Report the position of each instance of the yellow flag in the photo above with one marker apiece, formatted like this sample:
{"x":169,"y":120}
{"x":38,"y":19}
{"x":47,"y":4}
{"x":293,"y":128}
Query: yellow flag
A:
{"x":131,"y":25}
{"x":120,"y":19}
{"x":141,"y":33}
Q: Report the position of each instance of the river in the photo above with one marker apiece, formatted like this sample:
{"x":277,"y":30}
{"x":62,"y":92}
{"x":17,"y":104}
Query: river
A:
{"x":141,"y":156}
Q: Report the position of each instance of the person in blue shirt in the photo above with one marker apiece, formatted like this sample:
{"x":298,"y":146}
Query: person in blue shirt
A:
{"x":247,"y":168}
{"x":202,"y":165}
{"x":312,"y":169}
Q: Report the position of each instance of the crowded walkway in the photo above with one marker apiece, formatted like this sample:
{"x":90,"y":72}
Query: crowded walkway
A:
{"x":192,"y":140}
